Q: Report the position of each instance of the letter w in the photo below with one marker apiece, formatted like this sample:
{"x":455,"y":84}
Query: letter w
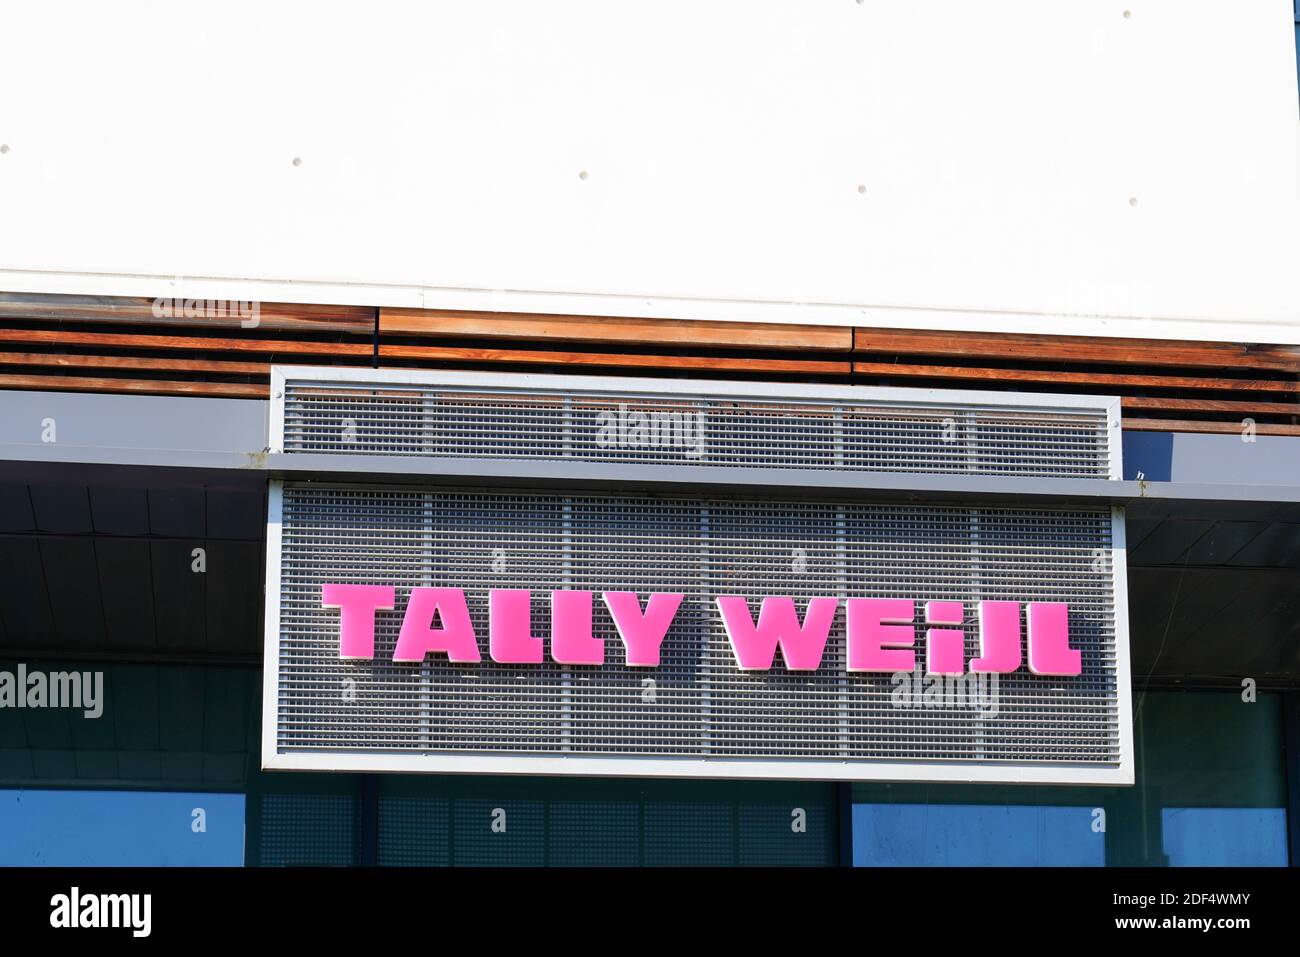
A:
{"x":778,"y":624}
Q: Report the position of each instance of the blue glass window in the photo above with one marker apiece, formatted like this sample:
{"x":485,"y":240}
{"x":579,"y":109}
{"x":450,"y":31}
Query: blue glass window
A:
{"x":1210,"y":791}
{"x":963,"y":835}
{"x":1224,"y":836}
{"x":121,"y":829}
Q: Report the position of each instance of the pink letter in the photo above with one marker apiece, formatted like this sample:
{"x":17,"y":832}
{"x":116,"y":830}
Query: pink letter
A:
{"x":357,"y":605}
{"x":1049,"y":640}
{"x":572,"y":642}
{"x":642,"y":636}
{"x":999,"y":637}
{"x":510,"y":628}
{"x":419,"y":637}
{"x":880,"y":634}
{"x":945,"y":648}
{"x":778,"y":624}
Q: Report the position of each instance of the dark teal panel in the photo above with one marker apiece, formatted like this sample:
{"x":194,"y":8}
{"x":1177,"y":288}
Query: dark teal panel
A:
{"x":594,"y":834}
{"x":414,"y":831}
{"x":181,"y":727}
{"x":685,"y":835}
{"x":303,"y":820}
{"x":785,"y":835}
{"x":611,"y":822}
{"x":307,"y":830}
{"x":505,"y":833}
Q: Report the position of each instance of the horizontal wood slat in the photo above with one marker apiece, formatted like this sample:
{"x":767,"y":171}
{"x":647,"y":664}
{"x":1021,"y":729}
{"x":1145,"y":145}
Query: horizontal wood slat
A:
{"x":168,"y":364}
{"x":1101,"y":380}
{"x":664,"y":332}
{"x":53,"y":383}
{"x":132,"y":340}
{"x":611,"y":360}
{"x":1191,"y":425}
{"x":1044,"y":348}
{"x":1210,"y":405}
{"x":284,"y":316}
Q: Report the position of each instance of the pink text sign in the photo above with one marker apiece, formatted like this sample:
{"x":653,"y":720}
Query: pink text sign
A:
{"x":880,"y":633}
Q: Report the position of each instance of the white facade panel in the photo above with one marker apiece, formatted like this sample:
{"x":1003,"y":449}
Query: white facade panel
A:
{"x":1034,"y":165}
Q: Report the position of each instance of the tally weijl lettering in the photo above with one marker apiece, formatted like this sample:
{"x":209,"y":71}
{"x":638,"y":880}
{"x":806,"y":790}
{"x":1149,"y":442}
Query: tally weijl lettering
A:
{"x":880,"y":634}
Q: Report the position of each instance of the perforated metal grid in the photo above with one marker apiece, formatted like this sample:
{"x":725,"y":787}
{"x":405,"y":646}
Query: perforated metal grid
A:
{"x":697,"y":704}
{"x":831,"y":428}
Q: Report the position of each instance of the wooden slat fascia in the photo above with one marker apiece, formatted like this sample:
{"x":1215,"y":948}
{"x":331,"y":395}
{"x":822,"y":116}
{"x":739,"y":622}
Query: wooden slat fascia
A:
{"x":285,"y":316}
{"x":1100,"y":380}
{"x":1091,"y":349}
{"x":53,"y":383}
{"x":566,"y":328}
{"x":131,"y":340}
{"x":433,"y":353}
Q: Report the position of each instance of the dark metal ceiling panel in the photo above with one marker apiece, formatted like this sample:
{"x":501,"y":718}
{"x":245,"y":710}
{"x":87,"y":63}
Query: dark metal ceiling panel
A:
{"x":72,"y":579}
{"x":1266,"y":645}
{"x":24,"y":603}
{"x":179,"y":595}
{"x":64,"y":509}
{"x":16,"y":509}
{"x":237,"y":514}
{"x":1136,"y":531}
{"x":1222,"y":541}
{"x":119,"y":511}
{"x":177,"y":512}
{"x":1251,"y":600}
{"x":1167,"y":543}
{"x":126,"y":584}
{"x":1179,"y":597}
{"x":1276,"y":546}
{"x":234,"y":597}
{"x":1247,"y":636}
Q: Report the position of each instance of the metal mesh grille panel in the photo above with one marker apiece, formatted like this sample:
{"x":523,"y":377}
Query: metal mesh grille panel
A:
{"x":697,"y":704}
{"x":645,"y":428}
{"x":307,"y":830}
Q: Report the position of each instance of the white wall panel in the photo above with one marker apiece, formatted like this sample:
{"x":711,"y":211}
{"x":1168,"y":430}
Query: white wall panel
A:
{"x":1040,"y":165}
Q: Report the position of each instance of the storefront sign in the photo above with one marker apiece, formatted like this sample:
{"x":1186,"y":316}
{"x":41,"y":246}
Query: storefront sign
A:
{"x":880,"y":636}
{"x":420,"y":629}
{"x":596,"y":576}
